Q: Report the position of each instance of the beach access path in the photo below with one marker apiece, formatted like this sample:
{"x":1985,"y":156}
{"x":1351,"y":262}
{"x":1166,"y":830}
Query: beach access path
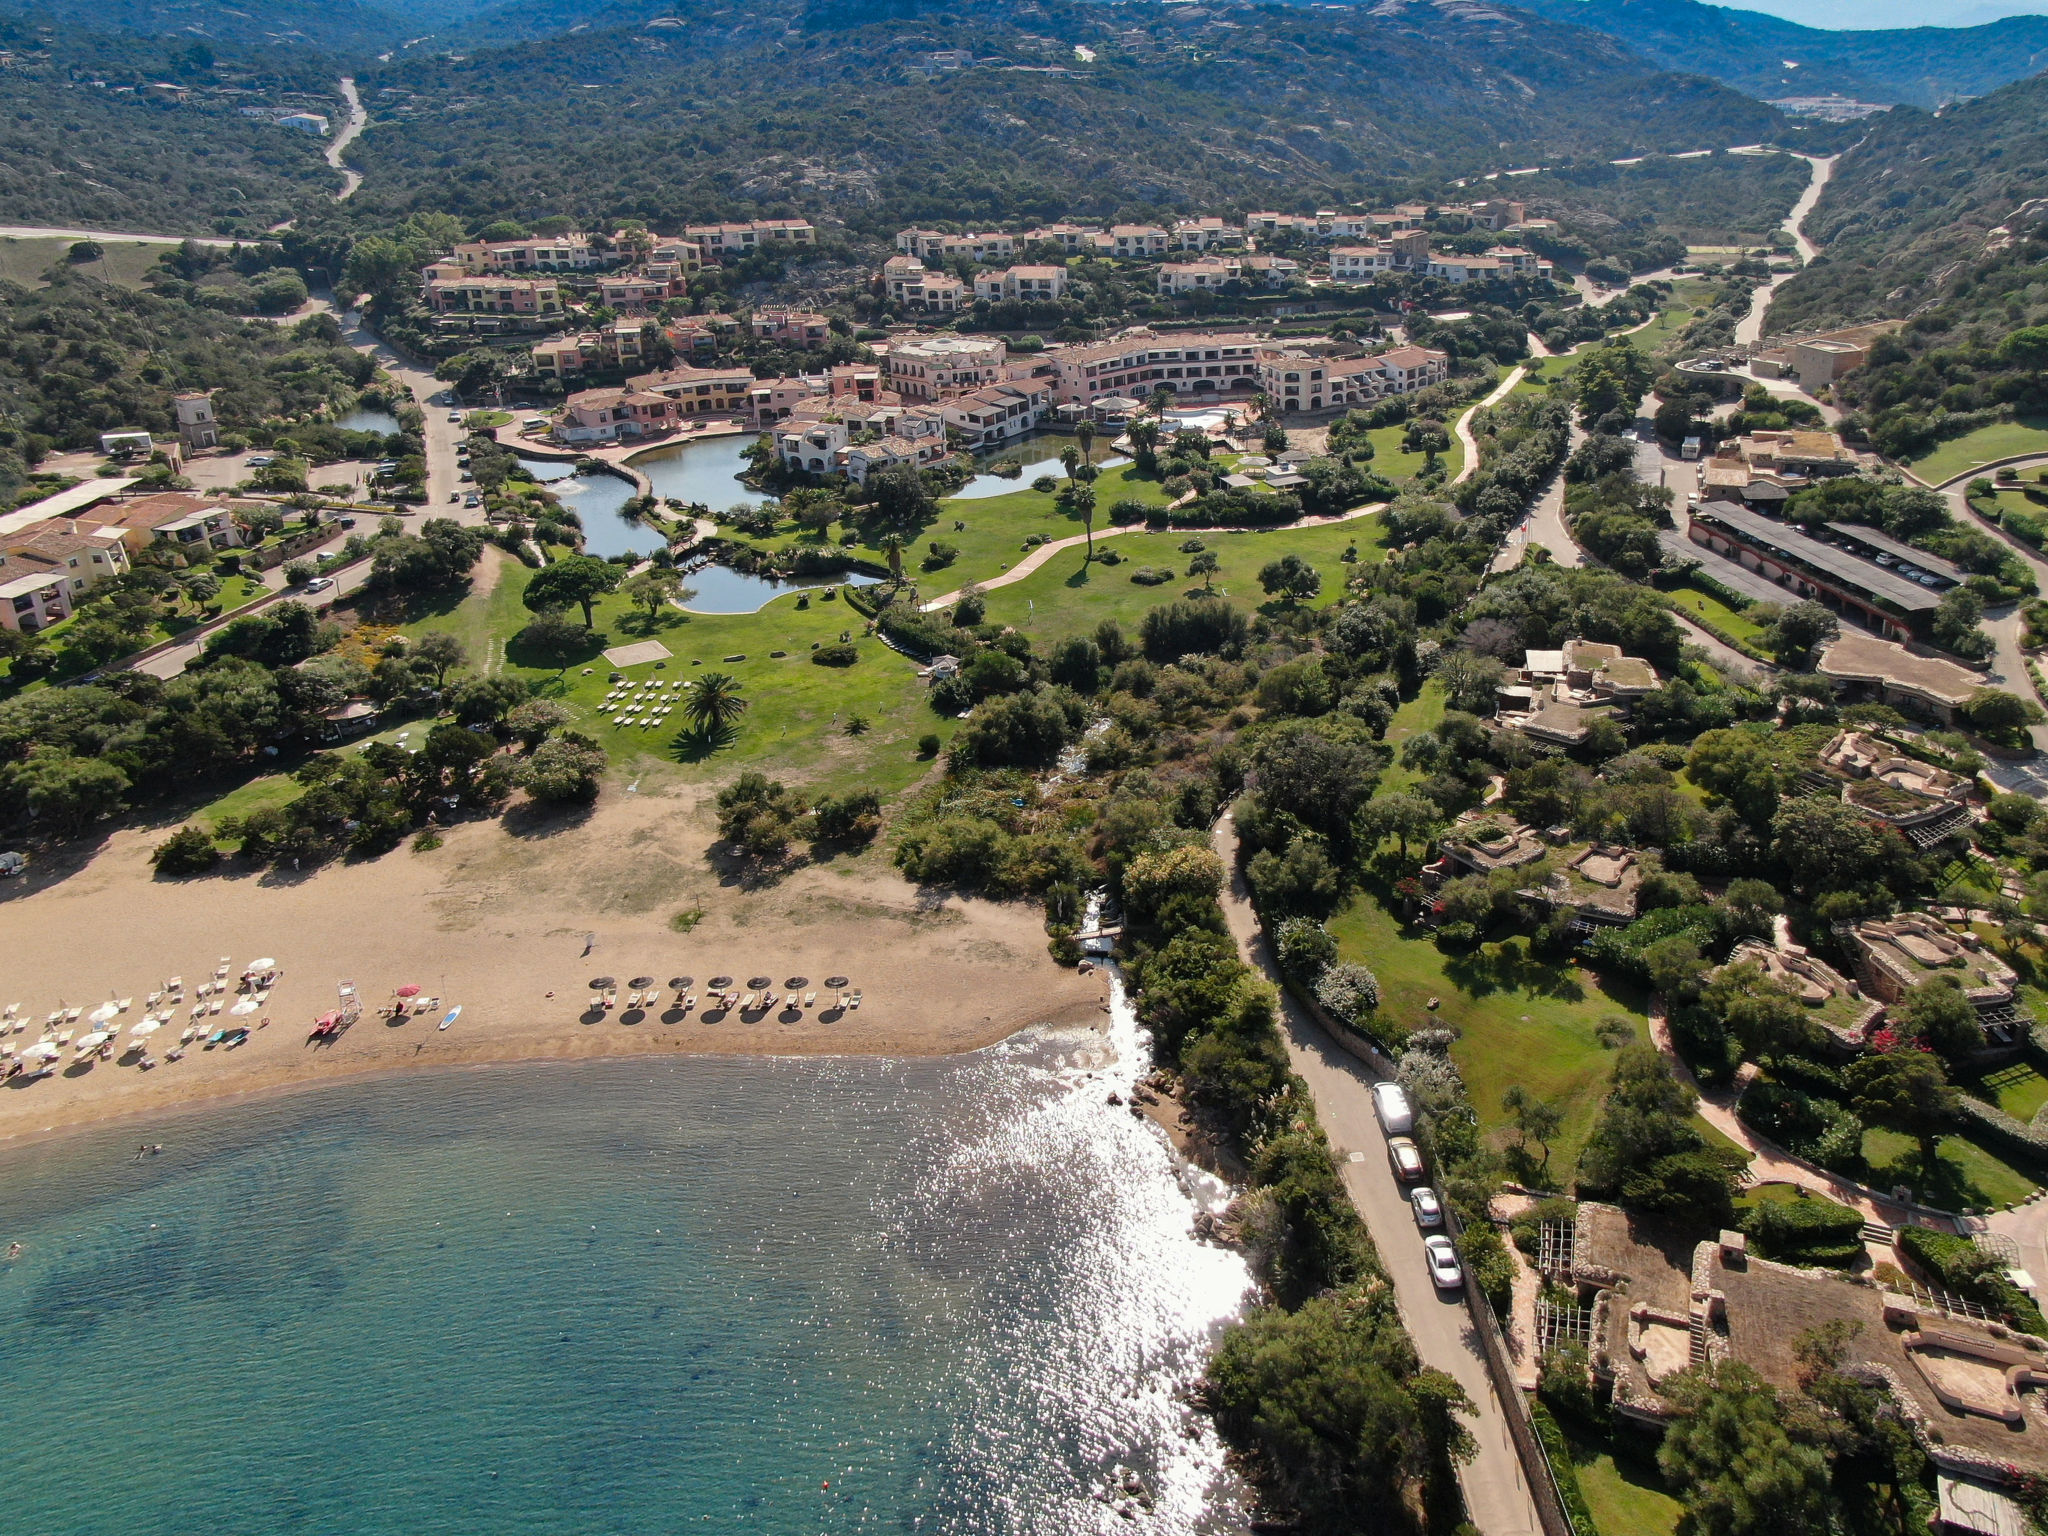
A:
{"x":1497,"y":1497}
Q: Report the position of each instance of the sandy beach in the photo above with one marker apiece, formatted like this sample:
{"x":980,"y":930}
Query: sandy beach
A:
{"x":496,"y":920}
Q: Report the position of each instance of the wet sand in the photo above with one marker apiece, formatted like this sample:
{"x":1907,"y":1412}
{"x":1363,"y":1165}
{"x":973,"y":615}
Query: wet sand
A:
{"x":496,"y":920}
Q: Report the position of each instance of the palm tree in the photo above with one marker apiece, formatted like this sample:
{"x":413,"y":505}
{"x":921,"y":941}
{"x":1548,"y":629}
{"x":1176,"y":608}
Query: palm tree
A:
{"x":1070,"y":460}
{"x":892,"y":547}
{"x":1084,"y":434}
{"x":713,"y":701}
{"x":1084,"y":503}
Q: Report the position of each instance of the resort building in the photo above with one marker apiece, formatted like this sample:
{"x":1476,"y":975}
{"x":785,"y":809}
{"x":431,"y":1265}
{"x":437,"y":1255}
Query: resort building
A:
{"x":1359,"y":263}
{"x":534,"y":297}
{"x":47,"y":567}
{"x":1205,"y":276}
{"x":1558,"y":694}
{"x":909,"y":284}
{"x":556,"y":253}
{"x":612,"y":415}
{"x":1132,"y":240}
{"x":1893,"y":955}
{"x":197,"y":425}
{"x":1864,"y":667}
{"x":1300,"y":380}
{"x":700,"y":391}
{"x":190,"y":524}
{"x":941,"y":367}
{"x":1837,"y":1004}
{"x":990,"y":417}
{"x":792,"y":328}
{"x":1138,"y":364}
{"x":1074,"y":239}
{"x":1872,"y":593}
{"x":1925,"y":803}
{"x":1653,"y":1302}
{"x":936,"y":245}
{"x":1464,"y":269}
{"x":1206,"y":234}
{"x":635,"y":291}
{"x":1029,"y":284}
{"x":726,"y":242}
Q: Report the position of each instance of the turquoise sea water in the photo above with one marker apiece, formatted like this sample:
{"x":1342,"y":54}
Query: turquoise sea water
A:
{"x":637,"y":1296}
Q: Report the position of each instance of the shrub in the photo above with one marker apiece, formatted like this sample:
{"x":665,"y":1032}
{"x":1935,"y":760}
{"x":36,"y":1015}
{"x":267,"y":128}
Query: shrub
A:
{"x":1959,"y":1265}
{"x":299,"y":572}
{"x":1817,"y":1129}
{"x":1347,"y":991}
{"x":928,"y":744}
{"x":1151,"y":576}
{"x":836,"y":655}
{"x":1305,"y":947}
{"x":187,"y":851}
{"x":1808,"y":1229}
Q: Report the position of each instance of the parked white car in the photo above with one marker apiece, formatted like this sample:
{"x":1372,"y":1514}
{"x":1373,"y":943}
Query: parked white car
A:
{"x":1429,"y":1211}
{"x":1444,"y":1268}
{"x":319,"y":583}
{"x":1391,"y":1105}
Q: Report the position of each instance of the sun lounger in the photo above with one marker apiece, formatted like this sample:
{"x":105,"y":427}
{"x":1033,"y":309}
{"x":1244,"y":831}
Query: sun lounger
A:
{"x":689,"y":1002}
{"x":214,"y":1006}
{"x":844,"y":1000}
{"x":856,"y":999}
{"x":71,"y":1015}
{"x":810,"y":999}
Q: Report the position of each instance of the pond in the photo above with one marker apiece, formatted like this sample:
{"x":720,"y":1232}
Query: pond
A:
{"x":1041,"y":456}
{"x":368,"y":419}
{"x":706,"y":472}
{"x":596,"y":499}
{"x":721,"y":589}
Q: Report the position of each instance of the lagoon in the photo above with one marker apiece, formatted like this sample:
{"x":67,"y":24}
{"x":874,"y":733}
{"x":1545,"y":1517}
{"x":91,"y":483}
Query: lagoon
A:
{"x":705,"y":472}
{"x":368,"y":419}
{"x":650,"y":1294}
{"x":596,"y":498}
{"x":721,"y":589}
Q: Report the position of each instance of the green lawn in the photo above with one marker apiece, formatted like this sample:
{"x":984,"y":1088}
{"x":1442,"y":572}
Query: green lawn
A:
{"x":273,"y":790}
{"x":1966,"y":1173}
{"x":996,"y":527}
{"x":1067,"y":596}
{"x":236,"y":592}
{"x":1623,"y":1488}
{"x":25,"y":261}
{"x":2019,"y":1090}
{"x":1424,"y":712}
{"x":2000,"y":440}
{"x":795,"y":725}
{"x":1701,"y":604}
{"x":1521,"y":1020}
{"x":1390,"y":460}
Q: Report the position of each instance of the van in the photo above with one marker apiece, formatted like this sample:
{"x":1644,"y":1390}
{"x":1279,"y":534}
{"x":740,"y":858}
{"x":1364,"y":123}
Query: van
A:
{"x":1391,"y":1105}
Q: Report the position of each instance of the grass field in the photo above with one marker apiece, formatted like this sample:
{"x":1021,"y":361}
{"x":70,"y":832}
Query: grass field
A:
{"x":1389,"y":460}
{"x":795,"y":725}
{"x":1701,"y":604}
{"x":25,"y":261}
{"x":1965,"y":1172}
{"x":1521,"y":1020}
{"x":1424,"y":712}
{"x":2018,"y":1089}
{"x":2000,"y":440}
{"x":1066,"y":596}
{"x":1622,"y":1485}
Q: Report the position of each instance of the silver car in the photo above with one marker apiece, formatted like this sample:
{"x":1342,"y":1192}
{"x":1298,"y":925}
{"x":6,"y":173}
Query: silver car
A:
{"x":1429,"y":1211}
{"x":1444,"y":1268}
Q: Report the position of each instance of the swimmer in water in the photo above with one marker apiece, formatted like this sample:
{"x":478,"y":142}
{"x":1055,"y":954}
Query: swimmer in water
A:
{"x":14,"y":1250}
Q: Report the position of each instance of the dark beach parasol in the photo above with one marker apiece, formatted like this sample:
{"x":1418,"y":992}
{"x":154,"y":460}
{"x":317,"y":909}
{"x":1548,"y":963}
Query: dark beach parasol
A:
{"x":599,"y":983}
{"x":797,"y":981}
{"x":719,"y":982}
{"x":835,"y":981}
{"x":640,"y":981}
{"x":680,"y":983}
{"x":760,"y":981}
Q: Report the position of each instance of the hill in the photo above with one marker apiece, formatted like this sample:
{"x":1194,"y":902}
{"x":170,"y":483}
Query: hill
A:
{"x":85,"y":140}
{"x":1915,"y":212}
{"x":337,"y":26}
{"x":845,"y":112}
{"x":1919,"y":66}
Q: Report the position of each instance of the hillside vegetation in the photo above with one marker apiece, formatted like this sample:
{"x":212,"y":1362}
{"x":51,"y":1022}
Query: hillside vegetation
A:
{"x":829,"y":110}
{"x":1914,"y":211}
{"x":82,"y":143}
{"x":1920,"y":66}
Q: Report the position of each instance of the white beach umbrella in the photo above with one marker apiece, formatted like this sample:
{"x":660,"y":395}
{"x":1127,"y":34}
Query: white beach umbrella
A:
{"x":42,"y":1050}
{"x":265,"y":964}
{"x":246,"y":1005}
{"x":104,"y":1012}
{"x":93,"y":1041}
{"x":146,"y":1027}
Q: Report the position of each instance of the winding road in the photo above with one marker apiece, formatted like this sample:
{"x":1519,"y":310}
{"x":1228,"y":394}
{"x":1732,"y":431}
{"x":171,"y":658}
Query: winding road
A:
{"x":1750,"y":328}
{"x":1497,"y":1497}
{"x":358,"y":119}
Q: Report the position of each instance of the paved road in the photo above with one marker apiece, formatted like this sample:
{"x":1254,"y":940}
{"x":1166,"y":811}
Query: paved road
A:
{"x":357,"y":120}
{"x":1497,"y":1498}
{"x":174,"y":661}
{"x":1750,"y":328}
{"x":444,"y":438}
{"x":47,"y":232}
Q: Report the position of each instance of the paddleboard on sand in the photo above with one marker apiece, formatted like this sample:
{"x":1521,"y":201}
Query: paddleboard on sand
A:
{"x":451,"y":1016}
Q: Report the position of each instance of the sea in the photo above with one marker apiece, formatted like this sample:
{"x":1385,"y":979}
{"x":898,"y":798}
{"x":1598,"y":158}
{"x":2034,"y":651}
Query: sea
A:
{"x":947,"y":1295}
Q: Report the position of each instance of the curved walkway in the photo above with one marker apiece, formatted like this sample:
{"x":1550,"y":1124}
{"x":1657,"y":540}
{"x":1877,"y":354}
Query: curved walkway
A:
{"x":1464,"y":428}
{"x":1045,"y":552}
{"x":1771,"y":1163}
